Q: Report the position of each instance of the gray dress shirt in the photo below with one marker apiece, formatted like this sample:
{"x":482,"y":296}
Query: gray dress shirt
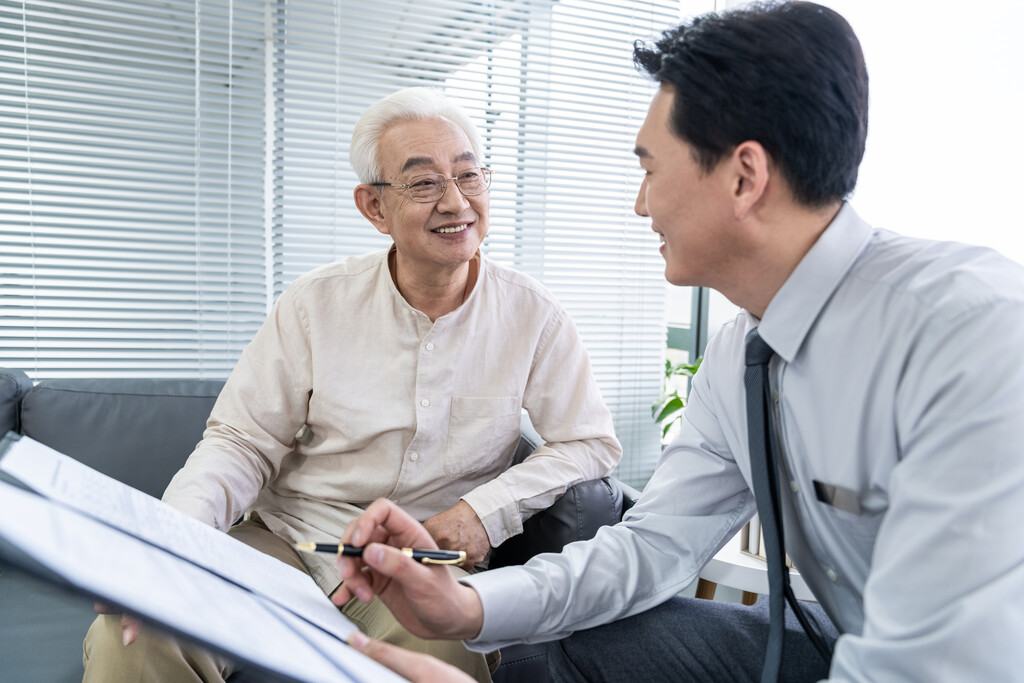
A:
{"x":898,"y":390}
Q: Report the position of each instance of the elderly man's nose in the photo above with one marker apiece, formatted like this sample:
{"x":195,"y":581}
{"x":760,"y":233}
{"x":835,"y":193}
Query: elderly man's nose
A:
{"x":452,"y":197}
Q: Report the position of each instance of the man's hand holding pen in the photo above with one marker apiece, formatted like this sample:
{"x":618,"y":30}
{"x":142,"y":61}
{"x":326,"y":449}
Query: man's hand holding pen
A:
{"x":456,"y":558}
{"x":425,"y":598}
{"x":458,"y":530}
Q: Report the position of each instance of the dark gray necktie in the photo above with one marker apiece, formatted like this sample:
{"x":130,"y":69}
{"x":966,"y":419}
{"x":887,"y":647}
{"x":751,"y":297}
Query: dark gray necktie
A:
{"x":762,"y":470}
{"x":766,"y":491}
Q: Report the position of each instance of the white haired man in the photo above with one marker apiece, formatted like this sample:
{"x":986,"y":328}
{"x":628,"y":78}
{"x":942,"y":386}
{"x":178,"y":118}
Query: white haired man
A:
{"x":398,"y":374}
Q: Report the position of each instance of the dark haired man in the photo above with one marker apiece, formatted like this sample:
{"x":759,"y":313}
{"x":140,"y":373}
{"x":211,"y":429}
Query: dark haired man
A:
{"x":869,"y":398}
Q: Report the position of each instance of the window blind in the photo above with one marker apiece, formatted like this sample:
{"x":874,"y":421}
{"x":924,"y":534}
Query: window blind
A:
{"x":133,"y":210}
{"x":553,"y":89}
{"x":132,"y":235}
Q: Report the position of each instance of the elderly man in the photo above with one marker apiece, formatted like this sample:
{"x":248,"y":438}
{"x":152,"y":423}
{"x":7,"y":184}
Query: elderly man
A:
{"x":400,"y":374}
{"x":866,"y":401}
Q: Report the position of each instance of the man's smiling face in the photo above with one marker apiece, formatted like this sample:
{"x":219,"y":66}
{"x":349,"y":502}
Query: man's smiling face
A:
{"x":444,"y":233}
{"x":688,"y":207}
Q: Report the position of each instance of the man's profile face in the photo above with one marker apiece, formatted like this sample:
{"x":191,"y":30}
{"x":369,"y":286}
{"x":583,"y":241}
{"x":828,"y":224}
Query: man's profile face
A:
{"x":444,"y":233}
{"x":688,"y":208}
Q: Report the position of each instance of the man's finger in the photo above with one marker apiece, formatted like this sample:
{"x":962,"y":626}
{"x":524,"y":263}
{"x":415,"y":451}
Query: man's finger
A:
{"x":130,"y":627}
{"x":341,"y":595}
{"x":103,"y":608}
{"x":385,"y":520}
{"x":414,"y":666}
{"x":393,"y":563}
{"x":356,"y":581}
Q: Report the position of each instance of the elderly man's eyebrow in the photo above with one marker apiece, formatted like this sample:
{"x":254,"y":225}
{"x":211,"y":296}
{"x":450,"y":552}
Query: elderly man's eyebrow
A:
{"x":417,"y":161}
{"x":413,"y":162}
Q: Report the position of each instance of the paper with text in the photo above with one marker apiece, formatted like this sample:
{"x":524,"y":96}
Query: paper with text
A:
{"x":166,"y":590}
{"x":65,"y":480}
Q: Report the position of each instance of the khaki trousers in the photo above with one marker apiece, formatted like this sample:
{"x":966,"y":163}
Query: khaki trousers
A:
{"x":156,"y":657}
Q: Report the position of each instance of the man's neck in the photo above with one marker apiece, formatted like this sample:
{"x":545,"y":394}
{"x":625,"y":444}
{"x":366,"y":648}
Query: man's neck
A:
{"x":778,"y":243}
{"x":436,"y":293}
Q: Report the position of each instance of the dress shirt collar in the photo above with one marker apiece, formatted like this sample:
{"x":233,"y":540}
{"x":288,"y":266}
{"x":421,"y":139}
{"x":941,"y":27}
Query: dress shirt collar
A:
{"x":797,"y":304}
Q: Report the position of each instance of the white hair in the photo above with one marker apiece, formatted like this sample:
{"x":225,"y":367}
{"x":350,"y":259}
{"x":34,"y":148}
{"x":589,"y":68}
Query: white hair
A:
{"x":410,"y":104}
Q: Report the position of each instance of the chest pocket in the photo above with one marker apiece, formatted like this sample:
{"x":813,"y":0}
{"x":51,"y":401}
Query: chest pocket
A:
{"x":482,"y":432}
{"x":856,"y":531}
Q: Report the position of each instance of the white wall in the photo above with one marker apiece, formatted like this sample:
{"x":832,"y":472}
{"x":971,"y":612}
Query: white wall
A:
{"x":945,"y":150}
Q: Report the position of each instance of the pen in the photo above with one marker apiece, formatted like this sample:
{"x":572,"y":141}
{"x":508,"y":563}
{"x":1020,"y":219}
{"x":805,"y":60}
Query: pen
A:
{"x":423,"y":555}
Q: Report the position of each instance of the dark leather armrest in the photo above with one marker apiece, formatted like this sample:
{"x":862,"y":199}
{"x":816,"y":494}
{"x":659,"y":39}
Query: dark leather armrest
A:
{"x":576,"y":516}
{"x":629,"y":496}
{"x":14,"y":384}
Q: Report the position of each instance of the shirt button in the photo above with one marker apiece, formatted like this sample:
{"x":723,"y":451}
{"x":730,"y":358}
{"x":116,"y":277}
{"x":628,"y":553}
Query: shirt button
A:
{"x":414,"y":456}
{"x":793,"y":485}
{"x":832,"y":576}
{"x":425,"y":403}
{"x":430,"y":346}
{"x":775,"y":396}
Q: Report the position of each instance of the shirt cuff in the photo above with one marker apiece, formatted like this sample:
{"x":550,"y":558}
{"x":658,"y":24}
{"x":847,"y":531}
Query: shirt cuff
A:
{"x":506,"y":617}
{"x":497,"y":509}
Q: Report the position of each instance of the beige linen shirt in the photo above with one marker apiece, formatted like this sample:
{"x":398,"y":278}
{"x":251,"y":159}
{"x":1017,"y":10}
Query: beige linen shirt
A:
{"x":423,"y":413}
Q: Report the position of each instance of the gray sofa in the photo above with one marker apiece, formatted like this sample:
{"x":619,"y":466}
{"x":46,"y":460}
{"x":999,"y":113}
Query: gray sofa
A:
{"x":140,"y":431}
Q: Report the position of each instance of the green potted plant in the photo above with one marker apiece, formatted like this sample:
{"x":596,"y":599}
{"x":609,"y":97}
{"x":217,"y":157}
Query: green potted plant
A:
{"x":667,"y":410}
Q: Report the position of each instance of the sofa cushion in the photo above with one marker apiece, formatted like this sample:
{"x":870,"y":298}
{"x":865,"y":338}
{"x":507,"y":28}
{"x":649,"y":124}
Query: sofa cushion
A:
{"x":139,"y":431}
{"x":13,"y":385}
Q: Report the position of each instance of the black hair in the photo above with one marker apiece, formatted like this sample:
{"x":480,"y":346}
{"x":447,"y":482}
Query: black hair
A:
{"x":790,"y":76}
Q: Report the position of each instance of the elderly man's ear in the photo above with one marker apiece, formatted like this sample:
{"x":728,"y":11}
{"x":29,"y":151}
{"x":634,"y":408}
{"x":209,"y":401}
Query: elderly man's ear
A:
{"x":368,"y":202}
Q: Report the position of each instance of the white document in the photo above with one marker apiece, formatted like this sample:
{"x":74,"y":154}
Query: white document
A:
{"x":60,"y":478}
{"x":175,"y":594}
{"x":133,"y":551}
{"x":344,"y":657}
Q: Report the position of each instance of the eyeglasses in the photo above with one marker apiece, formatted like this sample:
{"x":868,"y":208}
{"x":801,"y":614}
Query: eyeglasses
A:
{"x":431,"y":187}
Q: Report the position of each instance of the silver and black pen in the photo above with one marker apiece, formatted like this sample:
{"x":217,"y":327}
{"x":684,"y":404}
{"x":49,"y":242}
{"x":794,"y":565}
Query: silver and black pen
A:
{"x":423,"y":555}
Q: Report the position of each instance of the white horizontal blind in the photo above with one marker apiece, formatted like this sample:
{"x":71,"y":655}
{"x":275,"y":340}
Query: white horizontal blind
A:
{"x":132,"y":235}
{"x":553,"y":88}
{"x":333,"y":60}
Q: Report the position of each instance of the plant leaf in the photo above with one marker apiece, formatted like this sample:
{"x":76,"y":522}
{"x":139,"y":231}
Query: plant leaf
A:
{"x":671,"y":406}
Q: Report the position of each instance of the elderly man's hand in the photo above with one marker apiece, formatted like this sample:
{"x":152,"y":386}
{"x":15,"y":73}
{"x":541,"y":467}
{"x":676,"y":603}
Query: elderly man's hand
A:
{"x":130,"y":626}
{"x":458,"y":528}
{"x":415,"y":666}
